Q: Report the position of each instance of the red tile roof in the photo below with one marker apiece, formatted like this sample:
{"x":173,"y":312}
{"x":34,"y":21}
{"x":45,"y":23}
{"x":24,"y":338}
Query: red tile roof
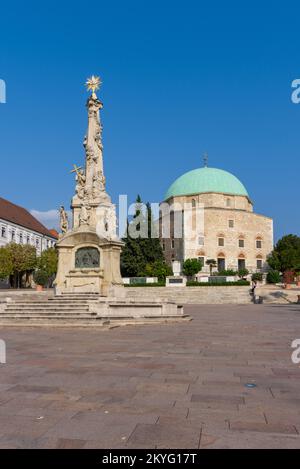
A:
{"x":20,"y":216}
{"x":54,"y":233}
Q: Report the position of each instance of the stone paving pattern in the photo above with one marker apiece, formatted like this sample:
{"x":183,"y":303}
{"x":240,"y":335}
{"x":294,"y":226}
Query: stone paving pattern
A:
{"x":162,"y":386}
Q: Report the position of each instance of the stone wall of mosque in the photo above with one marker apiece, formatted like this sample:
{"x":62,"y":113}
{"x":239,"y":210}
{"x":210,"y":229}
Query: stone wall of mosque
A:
{"x":235,"y":237}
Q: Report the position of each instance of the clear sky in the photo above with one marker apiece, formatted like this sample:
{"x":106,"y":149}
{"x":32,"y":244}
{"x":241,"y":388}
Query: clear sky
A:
{"x":179,"y":79}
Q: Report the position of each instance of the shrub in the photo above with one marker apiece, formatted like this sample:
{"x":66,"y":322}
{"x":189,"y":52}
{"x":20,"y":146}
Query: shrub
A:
{"x":258,"y":276}
{"x":240,"y":283}
{"x":289,"y":276}
{"x":191,"y":267}
{"x":40,"y":277}
{"x":158,"y":269}
{"x":243,"y":273}
{"x":227,"y":273}
{"x":157,"y":284}
{"x":273,"y":276}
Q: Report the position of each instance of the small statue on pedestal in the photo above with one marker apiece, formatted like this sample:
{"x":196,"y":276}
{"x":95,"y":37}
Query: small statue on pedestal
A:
{"x":64,"y":223}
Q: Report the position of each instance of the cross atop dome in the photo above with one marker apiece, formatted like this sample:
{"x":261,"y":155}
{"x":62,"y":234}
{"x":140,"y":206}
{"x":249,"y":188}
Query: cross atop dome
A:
{"x":205,"y":159}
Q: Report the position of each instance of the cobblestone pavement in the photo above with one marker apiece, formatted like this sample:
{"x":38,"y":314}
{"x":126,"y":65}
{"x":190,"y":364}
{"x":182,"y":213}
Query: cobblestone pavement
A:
{"x":162,"y":386}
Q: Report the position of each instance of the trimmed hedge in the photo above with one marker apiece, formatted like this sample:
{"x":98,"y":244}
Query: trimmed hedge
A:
{"x":157,"y":284}
{"x":239,"y":283}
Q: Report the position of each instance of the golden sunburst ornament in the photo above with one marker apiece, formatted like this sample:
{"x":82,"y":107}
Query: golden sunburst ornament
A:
{"x":93,"y":84}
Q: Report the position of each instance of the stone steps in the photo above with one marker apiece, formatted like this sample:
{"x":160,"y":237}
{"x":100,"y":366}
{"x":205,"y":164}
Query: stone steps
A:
{"x":45,"y":313}
{"x":45,"y":307}
{"x":53,"y":322}
{"x":81,"y":310}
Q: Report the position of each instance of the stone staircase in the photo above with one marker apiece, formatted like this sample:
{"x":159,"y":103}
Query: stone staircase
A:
{"x":77,"y":310}
{"x":65,"y":310}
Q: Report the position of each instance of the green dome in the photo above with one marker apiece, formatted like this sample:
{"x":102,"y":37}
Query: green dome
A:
{"x":205,"y":179}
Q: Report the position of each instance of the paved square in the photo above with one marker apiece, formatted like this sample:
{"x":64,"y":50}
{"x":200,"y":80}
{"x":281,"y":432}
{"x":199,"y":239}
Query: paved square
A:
{"x":162,"y":386}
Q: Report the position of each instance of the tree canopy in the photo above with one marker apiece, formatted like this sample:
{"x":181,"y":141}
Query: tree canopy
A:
{"x":48,"y":261}
{"x":286,"y":254}
{"x":142,"y":254}
{"x":191,"y":267}
{"x":6,"y":263}
{"x":19,"y":260}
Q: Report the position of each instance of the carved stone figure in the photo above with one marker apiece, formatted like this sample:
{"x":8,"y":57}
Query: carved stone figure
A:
{"x":64,"y":223}
{"x":84,"y":215}
{"x":80,"y":184}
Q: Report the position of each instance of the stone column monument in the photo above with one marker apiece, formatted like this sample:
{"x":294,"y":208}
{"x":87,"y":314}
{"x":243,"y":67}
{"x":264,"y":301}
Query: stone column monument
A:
{"x":89,"y":252}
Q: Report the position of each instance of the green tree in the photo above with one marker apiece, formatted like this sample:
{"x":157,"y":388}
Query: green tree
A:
{"x":40,"y":277}
{"x":48,"y":262}
{"x":191,"y":267}
{"x":159,"y":269}
{"x":286,"y":254}
{"x":211,"y":263}
{"x":132,"y":260}
{"x":143,"y":249}
{"x":23,"y":260}
{"x":6,"y":263}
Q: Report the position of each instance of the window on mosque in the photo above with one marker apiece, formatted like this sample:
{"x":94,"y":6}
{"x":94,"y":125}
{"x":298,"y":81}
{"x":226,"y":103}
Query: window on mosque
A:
{"x":258,"y":243}
{"x":231,"y":223}
{"x":228,"y":202}
{"x":241,"y":264}
{"x":221,"y":264}
{"x":221,"y":241}
{"x":241,"y":243}
{"x":201,"y":241}
{"x":259,"y":264}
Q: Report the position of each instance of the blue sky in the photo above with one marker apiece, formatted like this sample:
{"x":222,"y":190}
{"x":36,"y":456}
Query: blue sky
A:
{"x":179,"y":79}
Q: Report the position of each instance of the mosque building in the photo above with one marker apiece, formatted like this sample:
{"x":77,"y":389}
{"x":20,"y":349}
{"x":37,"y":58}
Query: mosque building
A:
{"x":231,"y":232}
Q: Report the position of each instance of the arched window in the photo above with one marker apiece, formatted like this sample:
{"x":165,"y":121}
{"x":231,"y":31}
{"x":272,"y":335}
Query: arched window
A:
{"x":259,"y":262}
{"x":221,"y":239}
{"x":241,"y":241}
{"x":241,"y":261}
{"x":258,"y":242}
{"x":193,"y":203}
{"x":221,"y":261}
